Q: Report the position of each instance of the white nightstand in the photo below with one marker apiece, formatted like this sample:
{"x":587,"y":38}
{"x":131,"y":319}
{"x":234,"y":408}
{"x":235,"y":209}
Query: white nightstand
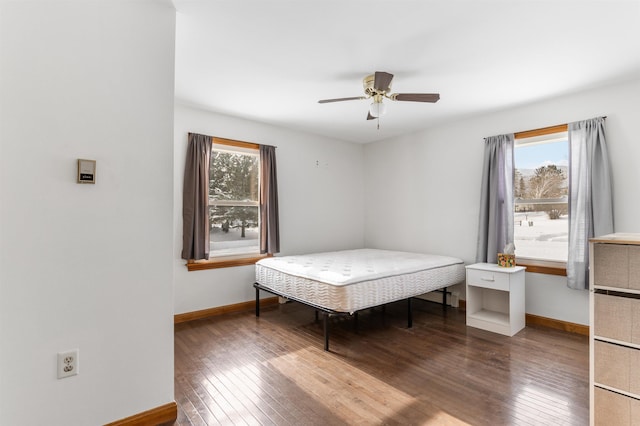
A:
{"x":495,"y":298}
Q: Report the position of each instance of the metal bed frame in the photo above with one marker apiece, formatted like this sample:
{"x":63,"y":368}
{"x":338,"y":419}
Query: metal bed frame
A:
{"x":331,"y":313}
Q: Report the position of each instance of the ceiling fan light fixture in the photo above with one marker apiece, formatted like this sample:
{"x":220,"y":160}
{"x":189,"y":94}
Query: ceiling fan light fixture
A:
{"x":377,"y":109}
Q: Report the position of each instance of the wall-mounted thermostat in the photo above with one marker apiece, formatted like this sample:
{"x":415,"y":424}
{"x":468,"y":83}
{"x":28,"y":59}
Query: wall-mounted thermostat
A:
{"x":86,"y":171}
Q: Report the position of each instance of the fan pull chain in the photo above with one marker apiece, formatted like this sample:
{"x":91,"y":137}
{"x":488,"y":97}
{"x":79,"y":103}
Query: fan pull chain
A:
{"x":378,"y":120}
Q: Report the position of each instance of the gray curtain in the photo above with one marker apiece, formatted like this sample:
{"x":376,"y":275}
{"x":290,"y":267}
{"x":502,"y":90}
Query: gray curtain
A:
{"x":269,"y":225}
{"x":195,"y":198}
{"x":590,"y":200}
{"x":495,"y":227}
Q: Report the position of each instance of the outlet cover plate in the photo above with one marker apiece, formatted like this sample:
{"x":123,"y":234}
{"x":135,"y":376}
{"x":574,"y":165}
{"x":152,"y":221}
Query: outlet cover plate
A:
{"x":68,"y":363}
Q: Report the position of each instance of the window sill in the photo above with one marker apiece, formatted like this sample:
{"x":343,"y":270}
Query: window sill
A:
{"x":225,"y":262}
{"x":543,"y":266}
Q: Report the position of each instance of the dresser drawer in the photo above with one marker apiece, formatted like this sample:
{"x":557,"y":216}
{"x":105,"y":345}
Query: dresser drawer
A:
{"x":611,"y":265}
{"x":617,"y":366}
{"x":634,"y":267}
{"x":488,"y":279}
{"x":617,"y":318}
{"x":617,"y":266}
{"x":614,"y":409}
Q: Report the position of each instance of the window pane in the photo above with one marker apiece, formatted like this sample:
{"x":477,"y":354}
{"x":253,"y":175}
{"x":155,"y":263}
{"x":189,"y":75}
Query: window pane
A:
{"x":234,"y":176}
{"x":234,"y":230}
{"x":541,"y":185}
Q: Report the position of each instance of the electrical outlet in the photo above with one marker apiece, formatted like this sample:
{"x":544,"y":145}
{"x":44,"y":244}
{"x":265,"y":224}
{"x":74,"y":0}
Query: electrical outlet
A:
{"x":67,"y":363}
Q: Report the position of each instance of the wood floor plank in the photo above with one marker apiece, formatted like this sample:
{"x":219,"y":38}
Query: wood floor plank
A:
{"x":272,"y":370}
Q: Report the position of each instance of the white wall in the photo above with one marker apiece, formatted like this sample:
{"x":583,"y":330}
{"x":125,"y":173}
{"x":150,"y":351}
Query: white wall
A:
{"x":321,"y":206}
{"x":85,"y":266}
{"x":423,"y":190}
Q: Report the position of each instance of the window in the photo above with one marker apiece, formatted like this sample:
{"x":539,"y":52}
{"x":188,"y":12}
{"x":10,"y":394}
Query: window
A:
{"x":540,"y":187}
{"x":234,"y":187}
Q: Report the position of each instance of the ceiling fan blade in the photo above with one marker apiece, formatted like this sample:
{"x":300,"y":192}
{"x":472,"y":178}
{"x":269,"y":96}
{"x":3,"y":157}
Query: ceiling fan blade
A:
{"x":382,"y":81}
{"x":370,"y":117}
{"x":326,"y":101}
{"x":416,"y":97}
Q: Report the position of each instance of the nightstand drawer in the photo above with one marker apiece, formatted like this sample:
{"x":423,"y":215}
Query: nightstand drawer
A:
{"x":488,"y":279}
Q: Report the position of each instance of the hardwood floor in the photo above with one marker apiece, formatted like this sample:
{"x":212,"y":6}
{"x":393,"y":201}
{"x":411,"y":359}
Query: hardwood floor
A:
{"x":272,"y":370}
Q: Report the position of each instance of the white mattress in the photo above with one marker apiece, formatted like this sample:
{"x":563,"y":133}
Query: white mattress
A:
{"x":351,"y":280}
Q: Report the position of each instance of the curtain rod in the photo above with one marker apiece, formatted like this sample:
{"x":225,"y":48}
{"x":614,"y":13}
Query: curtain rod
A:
{"x":232,"y":140}
{"x":548,"y":129}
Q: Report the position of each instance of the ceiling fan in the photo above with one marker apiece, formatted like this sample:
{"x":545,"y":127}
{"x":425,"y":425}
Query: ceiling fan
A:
{"x":378,"y":86}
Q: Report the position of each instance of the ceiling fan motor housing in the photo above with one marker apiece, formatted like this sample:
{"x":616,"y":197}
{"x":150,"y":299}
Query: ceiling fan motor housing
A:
{"x":368,"y":84}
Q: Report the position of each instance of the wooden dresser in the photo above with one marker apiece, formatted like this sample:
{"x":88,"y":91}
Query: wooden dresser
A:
{"x":614,"y":344}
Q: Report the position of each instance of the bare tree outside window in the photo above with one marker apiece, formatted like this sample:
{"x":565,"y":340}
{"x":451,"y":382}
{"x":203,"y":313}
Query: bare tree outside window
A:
{"x":547,"y":182}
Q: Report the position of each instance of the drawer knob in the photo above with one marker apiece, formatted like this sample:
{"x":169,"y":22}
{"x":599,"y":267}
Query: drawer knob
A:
{"x":490,"y":279}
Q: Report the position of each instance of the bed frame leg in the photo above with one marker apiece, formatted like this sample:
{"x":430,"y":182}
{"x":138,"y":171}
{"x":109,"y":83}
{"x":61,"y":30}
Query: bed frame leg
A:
{"x":326,"y":332}
{"x":409,"y":314}
{"x":317,"y":315}
{"x":257,"y":302}
{"x":444,"y":298}
{"x":355,"y":322}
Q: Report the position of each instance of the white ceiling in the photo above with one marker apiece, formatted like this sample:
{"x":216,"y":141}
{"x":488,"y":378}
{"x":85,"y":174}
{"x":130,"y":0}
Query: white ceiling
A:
{"x":272,"y":60}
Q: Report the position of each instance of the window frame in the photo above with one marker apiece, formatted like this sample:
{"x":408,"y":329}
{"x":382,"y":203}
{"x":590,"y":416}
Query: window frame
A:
{"x":538,"y":265}
{"x":230,"y":260}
